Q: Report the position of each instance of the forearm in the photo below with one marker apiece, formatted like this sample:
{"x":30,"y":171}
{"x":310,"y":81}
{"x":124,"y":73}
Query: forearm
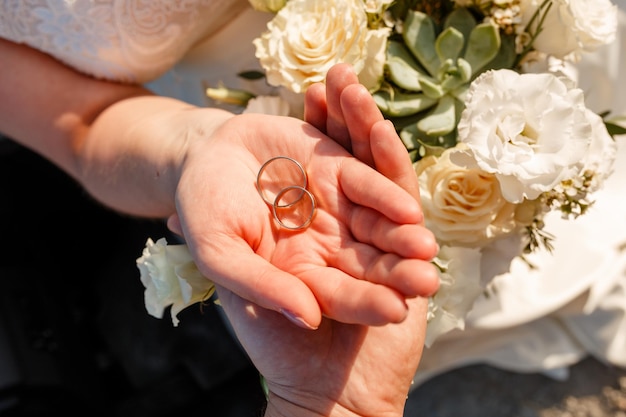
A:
{"x":117,"y":140}
{"x":131,"y":157}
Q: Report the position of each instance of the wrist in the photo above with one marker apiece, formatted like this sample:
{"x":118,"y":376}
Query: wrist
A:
{"x":281,"y":407}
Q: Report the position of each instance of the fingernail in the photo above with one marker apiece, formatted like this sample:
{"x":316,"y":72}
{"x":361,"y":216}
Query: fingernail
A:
{"x":299,"y":321}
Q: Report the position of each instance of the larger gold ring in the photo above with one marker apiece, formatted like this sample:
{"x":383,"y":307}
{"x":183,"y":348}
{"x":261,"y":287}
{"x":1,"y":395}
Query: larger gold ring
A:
{"x":276,"y":174}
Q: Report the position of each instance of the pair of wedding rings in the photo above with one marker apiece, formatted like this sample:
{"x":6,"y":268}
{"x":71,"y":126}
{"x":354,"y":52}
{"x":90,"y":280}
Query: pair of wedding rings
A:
{"x":282,"y":183}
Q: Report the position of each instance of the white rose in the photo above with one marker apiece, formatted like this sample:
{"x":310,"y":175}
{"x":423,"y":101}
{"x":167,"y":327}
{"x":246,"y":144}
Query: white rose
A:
{"x":171,"y":278}
{"x":531,"y":130}
{"x":306,"y":38}
{"x":574,"y":25}
{"x":462,"y":207}
{"x":372,"y":73}
{"x":460,"y":286}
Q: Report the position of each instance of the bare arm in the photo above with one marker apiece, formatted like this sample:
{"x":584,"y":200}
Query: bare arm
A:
{"x":115,"y":139}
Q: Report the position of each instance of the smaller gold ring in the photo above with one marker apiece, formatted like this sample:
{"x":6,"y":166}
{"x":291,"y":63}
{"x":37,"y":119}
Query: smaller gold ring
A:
{"x":279,"y":179}
{"x":292,"y":210}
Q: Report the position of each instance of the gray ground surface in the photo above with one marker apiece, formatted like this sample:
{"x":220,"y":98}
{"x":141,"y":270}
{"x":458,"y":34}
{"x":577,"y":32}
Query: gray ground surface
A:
{"x":592,"y":390}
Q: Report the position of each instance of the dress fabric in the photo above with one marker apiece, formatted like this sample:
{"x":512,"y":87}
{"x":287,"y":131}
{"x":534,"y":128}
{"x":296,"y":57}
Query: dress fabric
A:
{"x":541,"y":320}
{"x":122,"y":40}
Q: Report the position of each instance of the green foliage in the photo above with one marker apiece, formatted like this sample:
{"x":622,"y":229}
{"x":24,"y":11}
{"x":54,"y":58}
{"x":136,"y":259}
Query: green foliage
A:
{"x":429,"y":69}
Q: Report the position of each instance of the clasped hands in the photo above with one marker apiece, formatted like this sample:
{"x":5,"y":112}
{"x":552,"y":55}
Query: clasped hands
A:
{"x":367,"y":250}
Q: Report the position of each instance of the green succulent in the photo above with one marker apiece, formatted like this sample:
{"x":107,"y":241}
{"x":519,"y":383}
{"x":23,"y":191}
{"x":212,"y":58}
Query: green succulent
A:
{"x":429,"y":70}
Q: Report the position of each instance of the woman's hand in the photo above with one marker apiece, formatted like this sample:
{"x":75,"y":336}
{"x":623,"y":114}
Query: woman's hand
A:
{"x":344,"y":110}
{"x":362,"y":255}
{"x":158,"y":157}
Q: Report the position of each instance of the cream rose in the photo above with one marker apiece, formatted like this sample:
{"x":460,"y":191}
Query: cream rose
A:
{"x":462,"y":207}
{"x":306,"y":38}
{"x":171,"y":278}
{"x":531,"y":131}
{"x":573,"y":25}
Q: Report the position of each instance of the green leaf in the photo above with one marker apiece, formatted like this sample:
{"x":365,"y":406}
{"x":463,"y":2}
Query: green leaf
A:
{"x":399,"y":104}
{"x":483,"y":45}
{"x":449,"y":44}
{"x":423,"y":145}
{"x":462,"y":20}
{"x":442,"y":120}
{"x":456,"y":75}
{"x":615,"y":129}
{"x":432,"y":88}
{"x":403,"y":69}
{"x":419,"y":35}
{"x":251,"y":75}
{"x":506,"y":55}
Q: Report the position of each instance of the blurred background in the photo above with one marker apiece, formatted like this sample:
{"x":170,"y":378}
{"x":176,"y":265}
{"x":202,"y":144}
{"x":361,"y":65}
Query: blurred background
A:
{"x":75,"y":337}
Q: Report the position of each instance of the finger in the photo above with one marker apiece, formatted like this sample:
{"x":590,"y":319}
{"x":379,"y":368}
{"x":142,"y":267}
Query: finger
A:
{"x":407,"y":240}
{"x":366,"y":187}
{"x":360,"y":113}
{"x":349,"y":300}
{"x":315,"y":106}
{"x":410,"y":277}
{"x":174,"y":225}
{"x":337,"y":78}
{"x":391,"y":157}
{"x":253,"y":278}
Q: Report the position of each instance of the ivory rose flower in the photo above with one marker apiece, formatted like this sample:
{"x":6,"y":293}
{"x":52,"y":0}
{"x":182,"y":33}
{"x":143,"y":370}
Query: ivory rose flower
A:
{"x":573,"y":25}
{"x":306,"y":38}
{"x":531,"y":131}
{"x":463,"y":207}
{"x":171,"y":278}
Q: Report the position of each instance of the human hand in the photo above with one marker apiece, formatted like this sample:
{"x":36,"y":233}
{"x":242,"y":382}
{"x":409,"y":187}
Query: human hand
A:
{"x":365,"y":226}
{"x":339,"y":369}
{"x":344,"y":110}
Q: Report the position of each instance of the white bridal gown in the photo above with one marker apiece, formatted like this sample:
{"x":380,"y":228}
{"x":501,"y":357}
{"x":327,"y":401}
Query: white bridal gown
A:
{"x":539,"y":320}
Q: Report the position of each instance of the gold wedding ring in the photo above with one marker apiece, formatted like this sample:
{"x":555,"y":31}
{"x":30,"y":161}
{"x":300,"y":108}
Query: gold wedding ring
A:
{"x":282,"y":184}
{"x":276,"y":174}
{"x":297,"y":215}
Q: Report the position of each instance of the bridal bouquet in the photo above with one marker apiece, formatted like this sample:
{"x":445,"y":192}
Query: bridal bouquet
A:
{"x":483,"y":94}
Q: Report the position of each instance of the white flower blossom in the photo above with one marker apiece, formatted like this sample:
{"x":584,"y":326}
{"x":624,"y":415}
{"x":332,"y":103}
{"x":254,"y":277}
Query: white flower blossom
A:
{"x":462,"y":207}
{"x":460,"y":286}
{"x":531,"y":131}
{"x":573,"y":26}
{"x":171,"y":278}
{"x":306,"y":38}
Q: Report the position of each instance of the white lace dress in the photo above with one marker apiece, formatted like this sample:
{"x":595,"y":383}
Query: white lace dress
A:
{"x":540,"y":320}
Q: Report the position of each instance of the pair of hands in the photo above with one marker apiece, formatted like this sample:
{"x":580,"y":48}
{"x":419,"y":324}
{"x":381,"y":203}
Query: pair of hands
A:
{"x":363,"y":261}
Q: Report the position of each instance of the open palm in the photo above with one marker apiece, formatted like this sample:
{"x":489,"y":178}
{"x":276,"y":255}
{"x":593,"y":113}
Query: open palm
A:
{"x":365,"y":227}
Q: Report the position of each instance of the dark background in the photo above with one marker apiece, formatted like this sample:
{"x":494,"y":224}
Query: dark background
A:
{"x":75,"y":337}
{"x":74,"y":334}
